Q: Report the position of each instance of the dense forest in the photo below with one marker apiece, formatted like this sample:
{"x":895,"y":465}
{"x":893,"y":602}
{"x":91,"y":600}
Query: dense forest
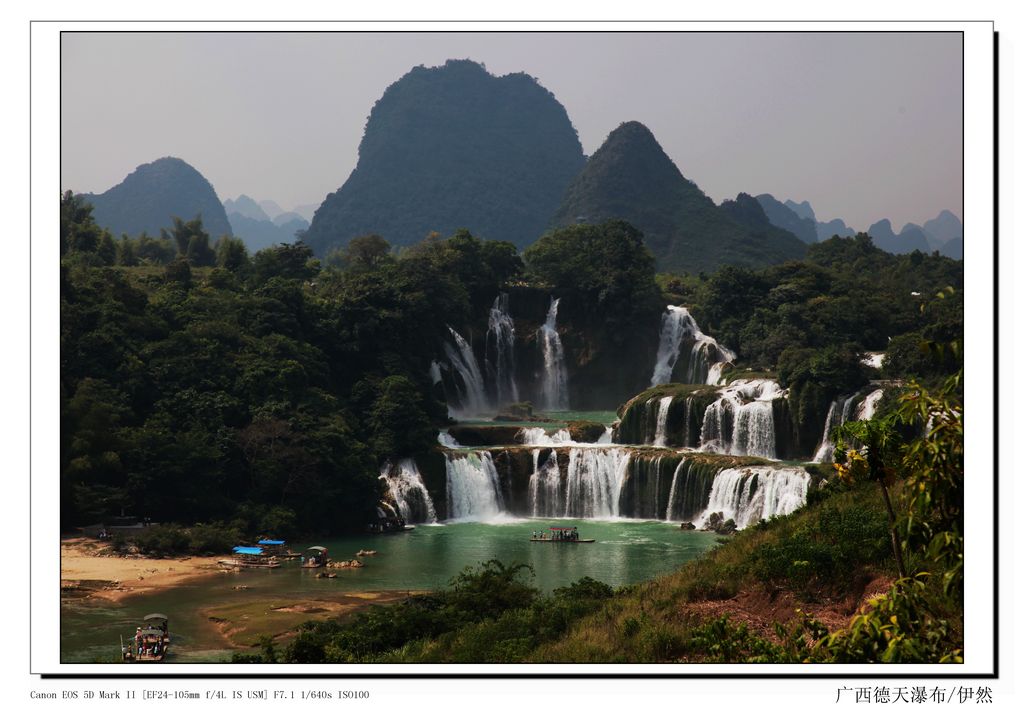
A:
{"x":261,"y":393}
{"x":201,"y":384}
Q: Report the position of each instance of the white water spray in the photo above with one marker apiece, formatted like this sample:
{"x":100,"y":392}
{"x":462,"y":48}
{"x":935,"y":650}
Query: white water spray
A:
{"x":747,"y":495}
{"x":410,"y":496}
{"x":472,"y":397}
{"x":676,"y":325}
{"x":554,"y":383}
{"x":500,"y":352}
{"x":474,"y":491}
{"x":742,"y":420}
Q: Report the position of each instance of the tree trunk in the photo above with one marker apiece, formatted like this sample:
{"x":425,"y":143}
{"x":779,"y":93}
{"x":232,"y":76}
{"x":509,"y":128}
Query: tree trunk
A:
{"x":896,"y":551}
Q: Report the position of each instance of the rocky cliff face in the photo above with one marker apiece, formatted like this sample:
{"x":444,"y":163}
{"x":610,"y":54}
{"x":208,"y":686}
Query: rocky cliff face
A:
{"x":454,"y":147}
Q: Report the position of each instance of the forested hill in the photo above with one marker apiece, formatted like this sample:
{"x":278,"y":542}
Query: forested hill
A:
{"x":451,"y":147}
{"x":631,"y":178}
{"x":151,"y":195}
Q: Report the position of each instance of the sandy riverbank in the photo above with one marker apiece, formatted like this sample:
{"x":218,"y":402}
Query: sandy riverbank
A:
{"x":86,"y":570}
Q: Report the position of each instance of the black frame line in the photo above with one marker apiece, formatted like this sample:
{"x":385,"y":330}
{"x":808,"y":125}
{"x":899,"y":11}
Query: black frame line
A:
{"x":548,"y":676}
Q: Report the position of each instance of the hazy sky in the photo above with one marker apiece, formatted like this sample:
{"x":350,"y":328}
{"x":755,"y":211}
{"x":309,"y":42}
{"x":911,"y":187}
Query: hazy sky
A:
{"x":864,"y":126}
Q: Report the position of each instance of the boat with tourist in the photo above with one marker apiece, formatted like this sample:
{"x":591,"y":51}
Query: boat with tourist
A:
{"x":249,"y":558}
{"x":277,"y":548}
{"x":150,"y":642}
{"x":560,"y":534}
{"x":315,"y":557}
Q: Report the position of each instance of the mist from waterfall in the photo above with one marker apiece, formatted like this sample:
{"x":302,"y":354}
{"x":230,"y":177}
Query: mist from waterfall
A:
{"x":554,"y":389}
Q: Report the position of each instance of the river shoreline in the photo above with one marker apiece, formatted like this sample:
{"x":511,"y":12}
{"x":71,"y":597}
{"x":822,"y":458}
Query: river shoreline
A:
{"x":87,"y":569}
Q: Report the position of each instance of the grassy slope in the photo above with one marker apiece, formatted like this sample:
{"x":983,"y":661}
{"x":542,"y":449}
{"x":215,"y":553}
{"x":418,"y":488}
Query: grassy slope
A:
{"x":823,"y":559}
{"x":666,"y":619}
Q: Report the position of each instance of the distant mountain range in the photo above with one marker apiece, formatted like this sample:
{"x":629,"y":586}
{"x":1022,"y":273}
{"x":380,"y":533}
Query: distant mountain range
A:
{"x":630,"y":177}
{"x":455,"y":147}
{"x":944,"y":233}
{"x":148,"y":198}
{"x":262,"y":224}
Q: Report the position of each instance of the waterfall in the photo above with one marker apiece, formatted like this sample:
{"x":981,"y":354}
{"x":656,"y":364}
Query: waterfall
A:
{"x":472,"y":397}
{"x":868,"y":406}
{"x":593,"y":480}
{"x":690,"y":489}
{"x":843,"y":410}
{"x":715,"y":373}
{"x":554,"y":385}
{"x":750,"y":494}
{"x":445,"y":438}
{"x":742,"y":420}
{"x":547,"y":496}
{"x":435,"y":372}
{"x":640,"y":493}
{"x":676,"y":325}
{"x":539,"y":436}
{"x":499,"y":352}
{"x":408,"y":493}
{"x":606,"y":437}
{"x":474,"y":491}
{"x":660,"y":438}
{"x":873,"y":359}
{"x":838,"y":413}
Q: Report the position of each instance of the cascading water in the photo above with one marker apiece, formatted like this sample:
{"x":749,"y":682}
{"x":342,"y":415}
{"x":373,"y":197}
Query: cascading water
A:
{"x":445,"y":438}
{"x":539,"y":436}
{"x":843,"y":410}
{"x":660,"y":437}
{"x":472,"y":398}
{"x":474,"y":491}
{"x":554,"y":390}
{"x":409,"y":494}
{"x":873,"y":359}
{"x":499,"y":352}
{"x":868,"y":406}
{"x":547,"y":493}
{"x":691,"y":487}
{"x":593,"y":480}
{"x":435,"y":372}
{"x":742,"y":420}
{"x":838,"y":413}
{"x":707,"y":357}
{"x":606,"y":437}
{"x":747,"y":495}
{"x":640,"y":492}
{"x":715,"y":372}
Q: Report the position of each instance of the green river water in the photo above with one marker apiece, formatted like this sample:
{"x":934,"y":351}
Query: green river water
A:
{"x":626,"y":551}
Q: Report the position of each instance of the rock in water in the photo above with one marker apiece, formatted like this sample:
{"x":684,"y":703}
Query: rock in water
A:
{"x":152,"y":194}
{"x":454,"y":147}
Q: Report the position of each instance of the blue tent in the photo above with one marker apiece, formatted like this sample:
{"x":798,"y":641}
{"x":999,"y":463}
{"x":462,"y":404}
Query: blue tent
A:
{"x":271,"y":541}
{"x":248,"y":550}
